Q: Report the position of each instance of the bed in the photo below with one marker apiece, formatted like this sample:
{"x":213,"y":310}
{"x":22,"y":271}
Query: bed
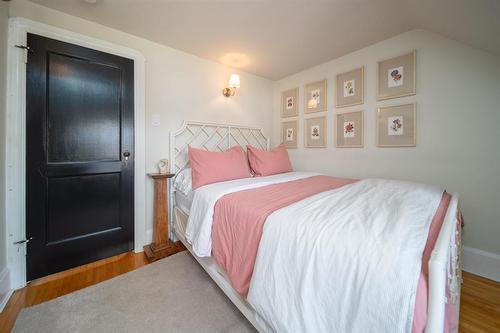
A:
{"x":444,"y":269}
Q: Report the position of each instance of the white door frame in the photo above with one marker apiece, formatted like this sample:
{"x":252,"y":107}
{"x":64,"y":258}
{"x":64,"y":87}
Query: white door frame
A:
{"x":16,"y":136}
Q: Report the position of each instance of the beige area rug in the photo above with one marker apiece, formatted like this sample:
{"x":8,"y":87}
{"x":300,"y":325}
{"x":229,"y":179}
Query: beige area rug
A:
{"x":171,"y":295}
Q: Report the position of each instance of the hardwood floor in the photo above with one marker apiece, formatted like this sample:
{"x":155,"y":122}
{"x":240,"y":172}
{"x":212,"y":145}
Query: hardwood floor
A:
{"x":479,"y":305}
{"x":480,"y":302}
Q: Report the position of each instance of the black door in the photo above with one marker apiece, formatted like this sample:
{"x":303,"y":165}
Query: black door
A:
{"x":79,"y":156}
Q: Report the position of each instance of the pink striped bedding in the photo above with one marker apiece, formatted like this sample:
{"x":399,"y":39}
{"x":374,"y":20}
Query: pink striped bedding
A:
{"x":239,"y":219}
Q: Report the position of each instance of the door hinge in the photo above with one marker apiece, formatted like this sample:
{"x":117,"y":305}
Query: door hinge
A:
{"x":22,"y":241}
{"x":24,"y":47}
{"x":27,"y":49}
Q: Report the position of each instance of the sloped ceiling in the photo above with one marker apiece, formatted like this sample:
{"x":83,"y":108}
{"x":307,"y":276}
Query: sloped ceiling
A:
{"x":276,"y":38}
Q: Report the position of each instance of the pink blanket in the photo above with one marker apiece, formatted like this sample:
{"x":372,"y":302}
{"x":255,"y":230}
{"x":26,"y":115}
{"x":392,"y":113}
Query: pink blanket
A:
{"x":239,"y":220}
{"x":420,"y":312}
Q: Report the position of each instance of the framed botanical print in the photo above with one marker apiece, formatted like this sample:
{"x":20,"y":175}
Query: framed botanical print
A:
{"x":350,"y":129}
{"x":396,"y":77}
{"x":315,"y":97}
{"x":315,"y":132}
{"x":289,"y":103}
{"x":349,"y":90}
{"x":289,"y":130}
{"x":397,"y":126}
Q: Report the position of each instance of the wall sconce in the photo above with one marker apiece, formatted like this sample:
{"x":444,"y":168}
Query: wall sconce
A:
{"x":312,"y":103}
{"x":234,"y":83}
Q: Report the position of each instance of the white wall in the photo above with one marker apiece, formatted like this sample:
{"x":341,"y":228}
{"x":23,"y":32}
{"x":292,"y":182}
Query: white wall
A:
{"x":458,"y":118}
{"x":4,"y":278}
{"x":178,"y":85}
{"x":458,"y":111}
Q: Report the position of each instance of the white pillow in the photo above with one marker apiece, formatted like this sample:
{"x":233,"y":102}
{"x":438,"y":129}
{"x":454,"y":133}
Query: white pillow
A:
{"x":183,"y":181}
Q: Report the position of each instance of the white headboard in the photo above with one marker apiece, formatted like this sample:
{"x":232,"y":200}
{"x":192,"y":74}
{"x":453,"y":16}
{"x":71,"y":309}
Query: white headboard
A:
{"x":212,"y":137}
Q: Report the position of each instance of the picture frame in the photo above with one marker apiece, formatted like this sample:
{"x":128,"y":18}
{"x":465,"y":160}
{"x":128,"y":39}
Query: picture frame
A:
{"x":397,"y":126}
{"x":315,"y":132}
{"x":290,"y":103}
{"x":289,"y":133}
{"x":315,"y":97}
{"x":350,"y":88}
{"x":350,"y":130}
{"x":396,"y":77}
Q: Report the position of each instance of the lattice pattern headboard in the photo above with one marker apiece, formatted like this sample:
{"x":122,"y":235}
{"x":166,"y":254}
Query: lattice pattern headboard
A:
{"x":208,"y":136}
{"x":212,"y":137}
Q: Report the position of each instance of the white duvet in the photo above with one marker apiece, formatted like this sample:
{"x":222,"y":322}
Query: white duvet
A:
{"x":199,"y":225}
{"x":346,"y":260}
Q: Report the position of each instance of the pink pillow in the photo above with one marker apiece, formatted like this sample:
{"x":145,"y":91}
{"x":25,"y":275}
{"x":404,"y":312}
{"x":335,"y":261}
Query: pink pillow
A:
{"x":211,"y":167}
{"x":266,"y":163}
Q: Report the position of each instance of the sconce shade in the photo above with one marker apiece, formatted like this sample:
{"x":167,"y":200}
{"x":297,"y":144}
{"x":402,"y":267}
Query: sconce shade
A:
{"x":312,"y":103}
{"x":234,"y":81}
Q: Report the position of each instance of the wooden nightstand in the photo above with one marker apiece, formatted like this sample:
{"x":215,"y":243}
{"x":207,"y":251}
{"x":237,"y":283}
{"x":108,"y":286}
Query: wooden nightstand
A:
{"x":161,"y":246}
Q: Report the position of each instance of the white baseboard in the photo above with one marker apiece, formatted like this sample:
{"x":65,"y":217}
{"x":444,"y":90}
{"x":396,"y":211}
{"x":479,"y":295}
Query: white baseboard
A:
{"x":481,"y":263}
{"x":149,"y":239}
{"x":5,"y":290}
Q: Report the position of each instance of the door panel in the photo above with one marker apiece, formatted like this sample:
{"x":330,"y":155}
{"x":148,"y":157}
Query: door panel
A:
{"x":83,"y":110}
{"x":80,"y":188}
{"x":80,"y":206}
